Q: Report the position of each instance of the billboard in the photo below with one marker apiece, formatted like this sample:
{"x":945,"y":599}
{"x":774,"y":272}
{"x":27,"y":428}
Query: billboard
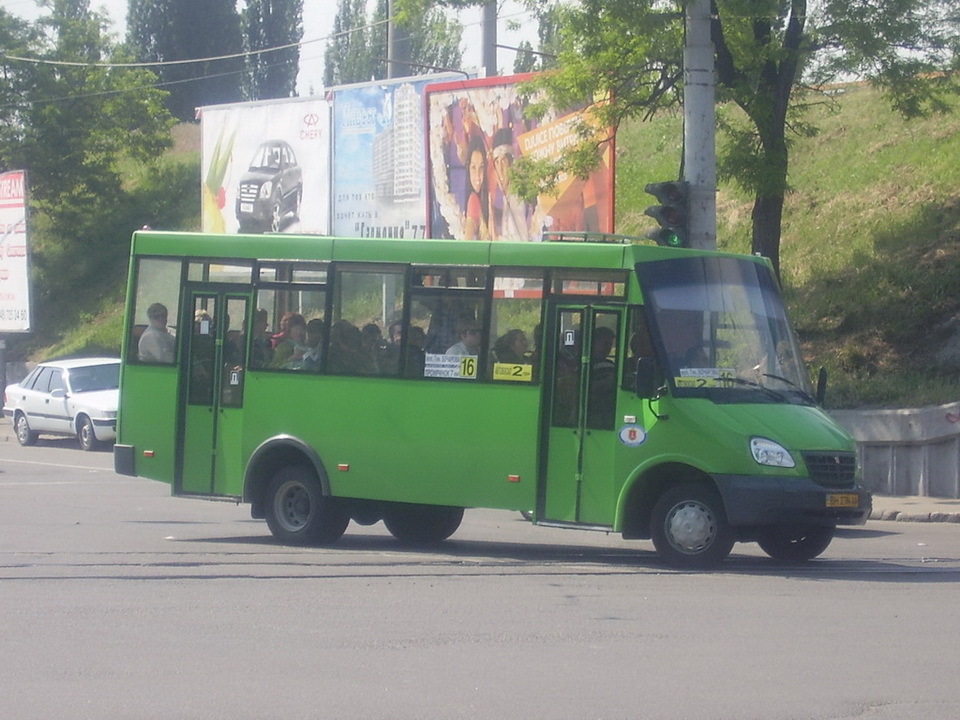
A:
{"x":476,"y":130}
{"x":15,"y":313}
{"x":379,"y":160}
{"x":265,"y":166}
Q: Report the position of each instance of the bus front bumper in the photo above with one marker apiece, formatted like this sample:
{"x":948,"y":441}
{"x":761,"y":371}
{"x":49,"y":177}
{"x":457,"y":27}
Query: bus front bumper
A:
{"x":756,"y":500}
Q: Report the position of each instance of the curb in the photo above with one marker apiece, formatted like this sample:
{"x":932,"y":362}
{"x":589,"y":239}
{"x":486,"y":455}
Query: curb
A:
{"x":901,"y":516}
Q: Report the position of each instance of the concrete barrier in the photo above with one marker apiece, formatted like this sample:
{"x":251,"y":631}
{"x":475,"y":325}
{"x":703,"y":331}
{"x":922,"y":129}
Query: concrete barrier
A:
{"x":908,"y":452}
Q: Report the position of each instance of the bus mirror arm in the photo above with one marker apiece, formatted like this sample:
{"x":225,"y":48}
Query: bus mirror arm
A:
{"x":821,"y":385}
{"x":647,"y":385}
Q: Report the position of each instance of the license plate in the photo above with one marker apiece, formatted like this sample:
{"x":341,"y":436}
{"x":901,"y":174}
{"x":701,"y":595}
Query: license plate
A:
{"x":848,"y":500}
{"x":246,"y":208}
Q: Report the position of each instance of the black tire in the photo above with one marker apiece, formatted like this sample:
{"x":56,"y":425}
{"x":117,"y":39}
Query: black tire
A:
{"x":85,"y":434}
{"x":689,"y":527}
{"x":25,"y":436}
{"x":421,"y":524}
{"x":795,"y":544}
{"x":276,"y":214}
{"x":297,"y":511}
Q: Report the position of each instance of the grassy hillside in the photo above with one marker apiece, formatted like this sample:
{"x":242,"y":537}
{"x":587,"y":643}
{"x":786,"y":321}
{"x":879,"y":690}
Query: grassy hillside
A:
{"x":870,"y":253}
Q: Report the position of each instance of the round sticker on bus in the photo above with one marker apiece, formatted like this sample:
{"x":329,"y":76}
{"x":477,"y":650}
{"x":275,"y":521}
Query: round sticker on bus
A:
{"x":633,"y":435}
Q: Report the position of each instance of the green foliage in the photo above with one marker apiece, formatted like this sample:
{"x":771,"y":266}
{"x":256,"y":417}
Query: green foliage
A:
{"x":427,"y":41}
{"x":272,"y":24}
{"x":166,"y":31}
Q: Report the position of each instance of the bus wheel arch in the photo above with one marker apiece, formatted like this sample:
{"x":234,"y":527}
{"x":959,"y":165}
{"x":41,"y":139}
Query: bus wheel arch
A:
{"x":640,"y":497}
{"x":268,"y":459}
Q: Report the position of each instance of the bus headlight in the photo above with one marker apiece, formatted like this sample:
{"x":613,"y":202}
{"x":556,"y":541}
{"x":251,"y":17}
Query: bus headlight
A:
{"x":767,"y":452}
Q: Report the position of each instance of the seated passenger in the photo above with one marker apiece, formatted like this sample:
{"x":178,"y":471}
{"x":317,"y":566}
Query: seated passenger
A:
{"x":290,"y":350}
{"x":511,"y":348}
{"x":346,"y":351}
{"x":470,"y":339}
{"x":311,"y":356}
{"x":156,"y":343}
{"x":416,"y":355}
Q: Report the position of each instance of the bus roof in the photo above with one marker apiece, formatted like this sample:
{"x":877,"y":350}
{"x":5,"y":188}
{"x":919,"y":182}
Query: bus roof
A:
{"x":292,"y":247}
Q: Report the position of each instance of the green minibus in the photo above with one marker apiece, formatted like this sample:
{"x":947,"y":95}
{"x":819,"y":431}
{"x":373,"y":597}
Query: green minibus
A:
{"x":617,"y":386}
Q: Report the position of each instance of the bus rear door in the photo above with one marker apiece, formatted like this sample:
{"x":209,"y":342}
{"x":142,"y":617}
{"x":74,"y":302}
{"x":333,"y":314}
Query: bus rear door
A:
{"x":582,"y":372}
{"x":210,"y":428}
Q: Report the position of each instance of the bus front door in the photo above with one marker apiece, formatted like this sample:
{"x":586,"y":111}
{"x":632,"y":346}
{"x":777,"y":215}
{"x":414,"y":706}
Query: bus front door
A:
{"x":582,"y":373}
{"x":210,"y":430}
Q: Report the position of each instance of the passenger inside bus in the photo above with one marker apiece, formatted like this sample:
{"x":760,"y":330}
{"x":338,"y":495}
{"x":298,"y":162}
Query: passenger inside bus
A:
{"x":347,"y":356}
{"x":289,"y":351}
{"x":315,"y":333}
{"x":603,"y":380}
{"x":511,"y":348}
{"x":470,"y":339}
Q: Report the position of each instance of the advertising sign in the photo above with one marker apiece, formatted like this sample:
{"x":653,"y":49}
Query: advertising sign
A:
{"x":14,"y":254}
{"x":476,"y":130}
{"x":266,"y":166}
{"x":379,"y":160}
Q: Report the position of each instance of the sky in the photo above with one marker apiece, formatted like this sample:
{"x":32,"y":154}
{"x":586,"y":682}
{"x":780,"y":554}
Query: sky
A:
{"x":318,"y":23}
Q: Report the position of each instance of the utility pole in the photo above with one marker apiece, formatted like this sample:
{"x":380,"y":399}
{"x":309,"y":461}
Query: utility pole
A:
{"x":398,"y":46}
{"x":490,"y":39}
{"x":699,"y":126}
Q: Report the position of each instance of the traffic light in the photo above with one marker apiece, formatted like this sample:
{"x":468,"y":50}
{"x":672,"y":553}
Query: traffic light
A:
{"x":673,"y":213}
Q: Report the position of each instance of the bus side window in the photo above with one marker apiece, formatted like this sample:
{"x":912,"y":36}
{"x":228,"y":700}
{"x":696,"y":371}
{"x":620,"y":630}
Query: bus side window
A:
{"x":515,"y":328}
{"x":640,"y":346}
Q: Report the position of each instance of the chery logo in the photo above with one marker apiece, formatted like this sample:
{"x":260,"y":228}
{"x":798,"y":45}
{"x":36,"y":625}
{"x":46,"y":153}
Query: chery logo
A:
{"x":311,"y":127}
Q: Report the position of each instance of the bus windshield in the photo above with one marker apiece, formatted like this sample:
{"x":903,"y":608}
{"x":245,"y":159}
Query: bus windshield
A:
{"x":723,"y":332}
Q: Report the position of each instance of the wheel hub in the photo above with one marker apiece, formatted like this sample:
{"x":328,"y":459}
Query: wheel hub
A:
{"x":690,"y":527}
{"x":294,"y":507}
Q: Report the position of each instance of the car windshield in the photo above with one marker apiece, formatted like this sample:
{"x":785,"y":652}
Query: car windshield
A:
{"x":95,"y":377}
{"x":266,"y":157}
{"x":723,"y":332}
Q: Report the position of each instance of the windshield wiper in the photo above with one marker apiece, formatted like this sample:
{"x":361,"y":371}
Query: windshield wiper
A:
{"x":779,"y":397}
{"x":787,"y":381}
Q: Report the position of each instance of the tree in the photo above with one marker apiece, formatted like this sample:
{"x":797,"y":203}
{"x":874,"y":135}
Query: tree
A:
{"x":347,"y":58}
{"x":772,"y":57}
{"x":529,"y":59}
{"x":272,"y":24}
{"x":200,"y":46}
{"x":76,"y":123}
{"x":358,"y":48}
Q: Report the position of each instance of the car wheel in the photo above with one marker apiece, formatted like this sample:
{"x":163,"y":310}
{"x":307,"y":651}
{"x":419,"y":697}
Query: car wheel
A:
{"x":297,"y":511}
{"x":276,"y":214}
{"x":25,"y":436}
{"x":85,"y":434}
{"x":298,"y":201}
{"x":795,"y":544}
{"x":421,"y":524}
{"x":689,"y":527}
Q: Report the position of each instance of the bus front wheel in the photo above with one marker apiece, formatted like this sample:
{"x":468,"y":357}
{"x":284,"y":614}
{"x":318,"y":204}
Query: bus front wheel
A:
{"x":421,"y":524}
{"x":795,"y":544}
{"x":298,"y":513}
{"x":689,"y":527}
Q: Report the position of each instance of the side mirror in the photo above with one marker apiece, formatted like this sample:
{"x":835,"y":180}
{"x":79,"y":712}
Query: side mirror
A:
{"x":647,"y":386}
{"x":821,"y":385}
{"x":58,"y":393}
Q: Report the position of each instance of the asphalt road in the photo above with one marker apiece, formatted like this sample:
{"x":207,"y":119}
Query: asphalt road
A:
{"x":118,"y":601}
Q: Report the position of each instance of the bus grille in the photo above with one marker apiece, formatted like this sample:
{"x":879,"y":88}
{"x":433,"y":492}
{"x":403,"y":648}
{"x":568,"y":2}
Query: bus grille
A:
{"x":834,"y":470}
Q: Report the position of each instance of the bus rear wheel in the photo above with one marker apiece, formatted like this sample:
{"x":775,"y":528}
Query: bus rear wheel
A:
{"x":297,"y":511}
{"x":689,"y":527}
{"x":795,"y":544}
{"x":421,"y":524}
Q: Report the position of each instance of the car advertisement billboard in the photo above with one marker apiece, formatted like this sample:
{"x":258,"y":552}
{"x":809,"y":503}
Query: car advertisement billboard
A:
{"x":476,"y":130}
{"x":379,"y":162}
{"x":15,"y":315}
{"x":266,"y":166}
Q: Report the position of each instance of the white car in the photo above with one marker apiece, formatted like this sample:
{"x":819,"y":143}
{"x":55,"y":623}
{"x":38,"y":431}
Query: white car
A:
{"x":66,"y":397}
